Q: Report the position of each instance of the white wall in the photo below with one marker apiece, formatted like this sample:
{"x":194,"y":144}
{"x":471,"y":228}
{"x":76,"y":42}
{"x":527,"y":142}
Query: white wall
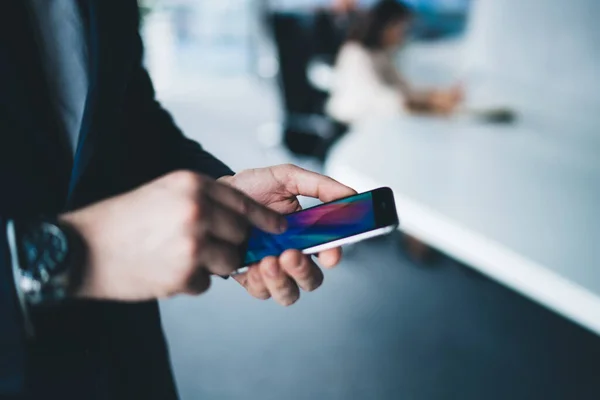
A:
{"x":553,"y":44}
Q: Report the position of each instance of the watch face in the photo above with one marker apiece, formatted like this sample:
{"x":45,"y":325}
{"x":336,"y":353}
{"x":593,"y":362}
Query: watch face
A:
{"x":45,"y":249}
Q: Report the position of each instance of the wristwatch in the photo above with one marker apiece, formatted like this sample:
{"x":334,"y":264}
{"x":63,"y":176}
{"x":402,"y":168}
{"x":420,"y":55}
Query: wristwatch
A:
{"x":46,"y":251}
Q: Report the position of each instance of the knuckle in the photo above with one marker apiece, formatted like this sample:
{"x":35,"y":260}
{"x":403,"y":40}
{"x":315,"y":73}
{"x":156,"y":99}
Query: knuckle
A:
{"x":202,"y":241}
{"x":245,"y":206}
{"x":201,"y":187}
{"x":293,"y":257}
{"x":242,"y":225}
{"x":242,"y":232}
{"x":283,"y":286}
{"x":232,"y":224}
{"x":254,"y":278}
{"x":288,"y":169}
{"x":192,"y":212}
{"x":203,"y":204}
{"x":269,"y":267}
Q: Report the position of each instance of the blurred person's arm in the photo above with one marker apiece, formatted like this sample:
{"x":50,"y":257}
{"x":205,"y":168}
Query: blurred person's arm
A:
{"x":438,"y":101}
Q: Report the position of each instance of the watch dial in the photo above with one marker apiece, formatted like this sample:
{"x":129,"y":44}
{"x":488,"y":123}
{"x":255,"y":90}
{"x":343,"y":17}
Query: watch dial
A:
{"x":46,"y":249}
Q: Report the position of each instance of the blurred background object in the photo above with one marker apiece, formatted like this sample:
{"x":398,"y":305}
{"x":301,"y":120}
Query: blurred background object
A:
{"x":249,"y":79}
{"x":367,"y":83}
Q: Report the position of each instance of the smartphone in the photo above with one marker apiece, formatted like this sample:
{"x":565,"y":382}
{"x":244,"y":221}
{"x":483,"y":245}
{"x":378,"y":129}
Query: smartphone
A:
{"x":328,"y":225}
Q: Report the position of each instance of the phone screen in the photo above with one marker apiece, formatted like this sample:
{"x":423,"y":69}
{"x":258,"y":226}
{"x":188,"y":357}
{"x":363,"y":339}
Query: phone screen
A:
{"x":315,"y":226}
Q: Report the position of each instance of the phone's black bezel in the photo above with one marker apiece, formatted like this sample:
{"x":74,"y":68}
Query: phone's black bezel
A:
{"x":384,"y":207}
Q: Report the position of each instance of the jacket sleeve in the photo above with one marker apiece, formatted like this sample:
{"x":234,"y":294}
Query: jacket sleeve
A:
{"x":166,"y":147}
{"x":12,"y":328}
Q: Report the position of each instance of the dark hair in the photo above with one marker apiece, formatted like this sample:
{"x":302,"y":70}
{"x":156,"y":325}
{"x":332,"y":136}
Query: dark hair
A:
{"x":368,"y":31}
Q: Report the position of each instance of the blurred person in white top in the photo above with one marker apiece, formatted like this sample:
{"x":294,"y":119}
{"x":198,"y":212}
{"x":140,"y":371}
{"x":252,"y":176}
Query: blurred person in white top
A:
{"x":367,"y":82}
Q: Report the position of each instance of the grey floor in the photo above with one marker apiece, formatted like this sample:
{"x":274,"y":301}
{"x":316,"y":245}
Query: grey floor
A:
{"x":381,"y":327}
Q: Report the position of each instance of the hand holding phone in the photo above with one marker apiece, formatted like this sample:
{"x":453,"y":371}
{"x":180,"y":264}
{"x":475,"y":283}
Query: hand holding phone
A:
{"x":328,"y":225}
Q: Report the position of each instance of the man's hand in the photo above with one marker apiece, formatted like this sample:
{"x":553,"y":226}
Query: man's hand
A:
{"x":166,"y":238}
{"x":277,"y":188}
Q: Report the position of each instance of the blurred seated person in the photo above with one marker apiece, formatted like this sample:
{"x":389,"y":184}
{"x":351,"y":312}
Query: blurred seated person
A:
{"x":366,"y":80}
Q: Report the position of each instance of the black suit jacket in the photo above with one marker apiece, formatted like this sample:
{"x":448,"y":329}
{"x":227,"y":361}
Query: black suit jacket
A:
{"x":83,"y":349}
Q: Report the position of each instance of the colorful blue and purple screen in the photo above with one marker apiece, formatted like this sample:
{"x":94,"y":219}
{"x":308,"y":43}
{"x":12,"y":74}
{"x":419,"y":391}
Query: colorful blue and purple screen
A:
{"x":315,"y":226}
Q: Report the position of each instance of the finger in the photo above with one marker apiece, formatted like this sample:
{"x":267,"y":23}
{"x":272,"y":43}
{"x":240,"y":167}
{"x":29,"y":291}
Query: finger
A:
{"x":302,"y":270}
{"x":219,"y":257}
{"x":252,"y":281}
{"x":227,"y":225}
{"x":301,"y":182}
{"x":199,"y":282}
{"x":330,"y":258}
{"x":282,"y":288}
{"x":257,"y":214}
{"x":256,"y":285}
{"x":242,"y":279}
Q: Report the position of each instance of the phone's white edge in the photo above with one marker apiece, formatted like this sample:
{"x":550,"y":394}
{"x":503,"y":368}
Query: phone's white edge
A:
{"x":349,"y":240}
{"x":340,"y":242}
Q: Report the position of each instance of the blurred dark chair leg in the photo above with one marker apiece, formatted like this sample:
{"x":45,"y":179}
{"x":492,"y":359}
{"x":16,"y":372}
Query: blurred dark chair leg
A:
{"x":307,"y":130}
